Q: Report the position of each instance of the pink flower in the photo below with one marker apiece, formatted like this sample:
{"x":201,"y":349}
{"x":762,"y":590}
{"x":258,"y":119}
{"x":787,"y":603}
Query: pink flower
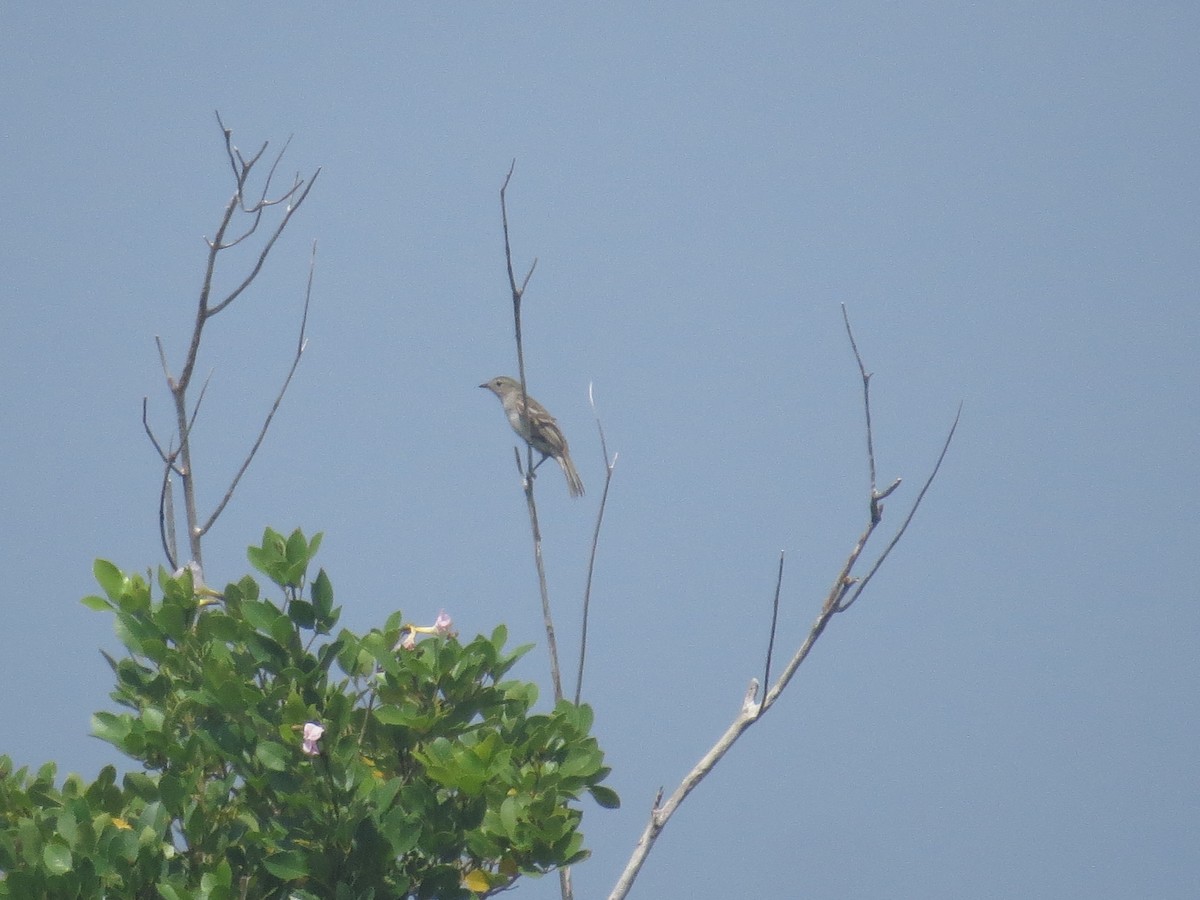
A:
{"x":408,"y":633}
{"x":312,"y":734}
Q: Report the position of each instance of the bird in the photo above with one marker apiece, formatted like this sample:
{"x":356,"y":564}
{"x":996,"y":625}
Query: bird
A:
{"x":538,"y":428}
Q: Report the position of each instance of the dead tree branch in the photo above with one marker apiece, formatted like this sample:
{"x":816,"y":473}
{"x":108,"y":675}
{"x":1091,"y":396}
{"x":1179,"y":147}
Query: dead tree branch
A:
{"x":527,"y":472}
{"x":609,"y":464}
{"x":835,"y":601}
{"x":301,"y":344}
{"x":178,"y":460}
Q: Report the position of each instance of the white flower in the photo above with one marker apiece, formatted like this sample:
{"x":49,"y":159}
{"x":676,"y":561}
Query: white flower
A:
{"x":312,"y":734}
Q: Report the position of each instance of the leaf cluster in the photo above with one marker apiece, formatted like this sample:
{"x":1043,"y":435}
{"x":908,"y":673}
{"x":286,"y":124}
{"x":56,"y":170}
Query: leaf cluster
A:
{"x":434,"y":776}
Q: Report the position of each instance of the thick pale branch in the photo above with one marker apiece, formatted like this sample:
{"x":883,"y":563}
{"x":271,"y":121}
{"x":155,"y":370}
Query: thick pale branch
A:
{"x":661,"y":814}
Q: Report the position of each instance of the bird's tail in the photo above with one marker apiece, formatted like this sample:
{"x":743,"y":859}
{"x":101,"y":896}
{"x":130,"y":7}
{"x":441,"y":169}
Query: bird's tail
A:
{"x":574,"y":482}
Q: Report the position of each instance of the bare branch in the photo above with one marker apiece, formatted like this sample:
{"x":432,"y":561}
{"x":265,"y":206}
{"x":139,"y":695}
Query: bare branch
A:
{"x":866,"y":382}
{"x":528,"y":275}
{"x":262,"y":199}
{"x":543,"y":590}
{"x":862,"y":584}
{"x":774,"y":622}
{"x":179,"y":461}
{"x":214,"y":248}
{"x":262,"y":257}
{"x":312,"y":267}
{"x":888,"y":490}
{"x":199,"y":400}
{"x":512,"y":280}
{"x":663,"y":811}
{"x":835,"y":601}
{"x":230,"y":151}
{"x":249,"y":232}
{"x":531,"y":505}
{"x":263,"y":203}
{"x":241,"y":168}
{"x":166,"y":518}
{"x":609,"y":464}
{"x":301,"y":343}
{"x":162,"y":358}
{"x":150,"y":434}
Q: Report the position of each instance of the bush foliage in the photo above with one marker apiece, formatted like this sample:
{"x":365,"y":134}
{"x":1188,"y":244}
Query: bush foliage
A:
{"x":433,"y":776}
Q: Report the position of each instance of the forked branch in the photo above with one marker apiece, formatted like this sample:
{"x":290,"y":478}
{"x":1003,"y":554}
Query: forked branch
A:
{"x":178,"y":459}
{"x":845,"y":590}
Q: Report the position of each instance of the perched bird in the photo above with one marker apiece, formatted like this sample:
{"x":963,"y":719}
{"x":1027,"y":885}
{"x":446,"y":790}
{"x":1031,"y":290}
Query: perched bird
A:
{"x":538,"y":428}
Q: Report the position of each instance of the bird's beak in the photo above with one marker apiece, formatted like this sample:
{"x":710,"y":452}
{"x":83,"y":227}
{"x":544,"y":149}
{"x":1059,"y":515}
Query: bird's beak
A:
{"x":485,"y":384}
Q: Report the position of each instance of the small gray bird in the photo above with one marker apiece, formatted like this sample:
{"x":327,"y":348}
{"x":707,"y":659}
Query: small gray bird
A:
{"x":538,"y":429}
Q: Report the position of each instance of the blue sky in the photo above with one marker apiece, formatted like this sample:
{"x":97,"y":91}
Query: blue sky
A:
{"x":1006,"y":198}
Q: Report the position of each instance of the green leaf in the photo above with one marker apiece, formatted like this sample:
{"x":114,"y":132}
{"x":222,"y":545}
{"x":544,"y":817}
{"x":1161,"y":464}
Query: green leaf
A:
{"x":394,"y":715}
{"x":297,"y":548}
{"x":273,"y":542}
{"x":67,"y":828}
{"x":57,"y":858}
{"x":581,"y":762}
{"x":302,"y":613}
{"x":287,"y":866}
{"x":111,"y":727}
{"x":97,"y":603}
{"x":509,"y":812}
{"x":110,"y":578}
{"x":322,"y":594}
{"x":499,"y":636}
{"x":273,"y":756}
{"x":604,"y":796}
{"x":170,"y":618}
{"x":260,"y":613}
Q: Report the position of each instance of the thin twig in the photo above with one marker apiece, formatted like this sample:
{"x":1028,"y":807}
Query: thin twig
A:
{"x":862,"y":584}
{"x":262,"y":257}
{"x":774,"y":623}
{"x":162,"y":358}
{"x":199,"y":400}
{"x":866,"y":383}
{"x":166,"y":519}
{"x":587,"y":586}
{"x":301,"y":344}
{"x":150,"y":434}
